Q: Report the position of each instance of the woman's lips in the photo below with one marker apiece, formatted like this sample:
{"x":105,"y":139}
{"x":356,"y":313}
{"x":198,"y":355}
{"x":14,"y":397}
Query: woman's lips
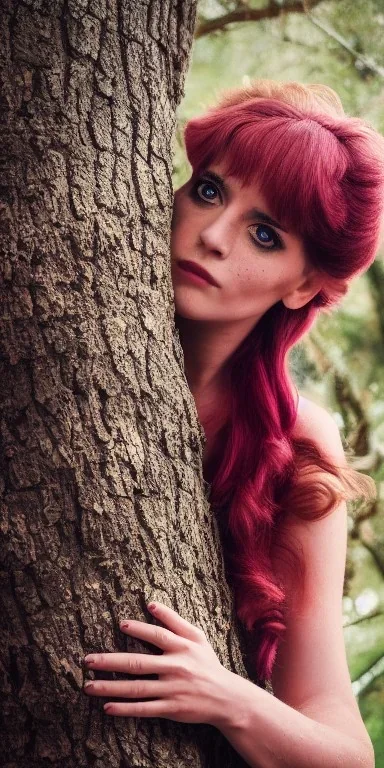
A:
{"x":196,"y":272}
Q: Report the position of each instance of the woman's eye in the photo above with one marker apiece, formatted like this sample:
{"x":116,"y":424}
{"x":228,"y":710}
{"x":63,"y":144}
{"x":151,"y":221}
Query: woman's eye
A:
{"x":265,"y":237}
{"x":207,"y":191}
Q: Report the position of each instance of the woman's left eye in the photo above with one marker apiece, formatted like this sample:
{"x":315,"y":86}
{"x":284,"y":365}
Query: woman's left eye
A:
{"x":206,"y":192}
{"x":265,"y":237}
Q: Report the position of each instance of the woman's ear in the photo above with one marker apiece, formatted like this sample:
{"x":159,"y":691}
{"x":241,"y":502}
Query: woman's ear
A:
{"x":305,"y":291}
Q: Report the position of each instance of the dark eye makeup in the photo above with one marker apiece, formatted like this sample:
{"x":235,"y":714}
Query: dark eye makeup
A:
{"x":204,"y":191}
{"x":265,"y":237}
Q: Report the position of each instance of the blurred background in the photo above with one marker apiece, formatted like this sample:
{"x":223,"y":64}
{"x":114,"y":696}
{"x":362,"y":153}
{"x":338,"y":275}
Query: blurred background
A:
{"x":341,"y":365}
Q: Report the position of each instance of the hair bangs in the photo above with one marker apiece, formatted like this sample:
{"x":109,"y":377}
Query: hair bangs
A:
{"x":296,"y":162}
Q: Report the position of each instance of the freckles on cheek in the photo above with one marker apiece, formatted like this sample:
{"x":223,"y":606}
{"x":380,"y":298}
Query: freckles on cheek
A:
{"x":262,"y":289}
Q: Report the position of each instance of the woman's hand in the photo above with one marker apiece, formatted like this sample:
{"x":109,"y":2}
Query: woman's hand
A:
{"x":192,"y":685}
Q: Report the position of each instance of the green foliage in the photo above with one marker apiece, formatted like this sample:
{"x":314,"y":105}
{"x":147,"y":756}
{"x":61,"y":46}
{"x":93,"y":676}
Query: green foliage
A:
{"x":372,"y":708}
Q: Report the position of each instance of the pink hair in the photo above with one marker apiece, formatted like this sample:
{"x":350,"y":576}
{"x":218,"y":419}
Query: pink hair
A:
{"x":322,"y":175}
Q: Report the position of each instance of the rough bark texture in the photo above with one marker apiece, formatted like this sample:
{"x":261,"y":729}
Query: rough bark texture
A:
{"x":102,"y":503}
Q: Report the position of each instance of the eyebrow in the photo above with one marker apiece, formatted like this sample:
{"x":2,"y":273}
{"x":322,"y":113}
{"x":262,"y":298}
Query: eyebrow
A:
{"x":254,"y":213}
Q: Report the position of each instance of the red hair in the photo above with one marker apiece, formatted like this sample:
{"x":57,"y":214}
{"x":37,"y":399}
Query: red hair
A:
{"x":322,"y":175}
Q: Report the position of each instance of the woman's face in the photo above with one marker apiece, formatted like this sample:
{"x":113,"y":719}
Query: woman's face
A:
{"x":226,"y":229}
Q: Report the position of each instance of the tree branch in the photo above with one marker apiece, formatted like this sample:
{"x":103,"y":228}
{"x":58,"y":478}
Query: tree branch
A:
{"x":373,"y":548}
{"x":349,"y":402}
{"x":364,"y":681}
{"x":276,"y":9}
{"x":362,"y":62}
{"x":375,"y":276}
{"x":371,"y":615}
{"x":271,"y":11}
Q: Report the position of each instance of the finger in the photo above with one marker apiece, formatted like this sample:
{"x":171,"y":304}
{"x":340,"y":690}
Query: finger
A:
{"x":175,"y":622}
{"x":127,"y":689}
{"x":131,"y":663}
{"x":139,"y":709}
{"x":162,"y":638}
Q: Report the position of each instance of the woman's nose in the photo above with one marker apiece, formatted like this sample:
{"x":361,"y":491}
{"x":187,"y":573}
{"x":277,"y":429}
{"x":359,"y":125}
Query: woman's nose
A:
{"x":217,"y":237}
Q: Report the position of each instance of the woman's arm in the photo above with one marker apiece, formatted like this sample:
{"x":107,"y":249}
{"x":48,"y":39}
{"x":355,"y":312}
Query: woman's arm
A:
{"x":268,"y":733}
{"x":313,"y":721}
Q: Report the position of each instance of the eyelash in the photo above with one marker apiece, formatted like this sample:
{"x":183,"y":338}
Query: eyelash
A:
{"x":197,"y":198}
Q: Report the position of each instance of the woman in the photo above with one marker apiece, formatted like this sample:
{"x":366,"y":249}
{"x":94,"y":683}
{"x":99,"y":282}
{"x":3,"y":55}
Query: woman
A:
{"x":284,"y":207}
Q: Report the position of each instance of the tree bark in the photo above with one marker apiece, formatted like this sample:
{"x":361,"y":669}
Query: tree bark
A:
{"x":102,"y":502}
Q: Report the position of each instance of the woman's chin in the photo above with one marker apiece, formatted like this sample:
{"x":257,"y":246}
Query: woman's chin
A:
{"x":189,"y":308}
{"x":191,"y":314}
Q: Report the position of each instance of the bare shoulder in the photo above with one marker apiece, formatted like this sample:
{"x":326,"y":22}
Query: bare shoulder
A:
{"x":324,"y":539}
{"x":315,"y":423}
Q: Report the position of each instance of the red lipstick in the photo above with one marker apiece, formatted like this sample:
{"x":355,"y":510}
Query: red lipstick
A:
{"x":196,"y":269}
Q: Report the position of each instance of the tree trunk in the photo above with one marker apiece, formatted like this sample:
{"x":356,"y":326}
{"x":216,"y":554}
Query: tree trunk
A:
{"x":102,"y":503}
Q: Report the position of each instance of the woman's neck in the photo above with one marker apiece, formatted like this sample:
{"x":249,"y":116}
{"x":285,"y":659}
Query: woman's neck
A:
{"x":207,"y":349}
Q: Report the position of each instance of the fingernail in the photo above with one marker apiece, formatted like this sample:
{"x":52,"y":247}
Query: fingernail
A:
{"x":88,"y":684}
{"x":151,"y":606}
{"x":107,"y":708}
{"x":124,"y":624}
{"x":90,"y":660}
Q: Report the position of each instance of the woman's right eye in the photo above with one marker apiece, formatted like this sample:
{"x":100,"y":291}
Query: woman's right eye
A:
{"x":207,"y":192}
